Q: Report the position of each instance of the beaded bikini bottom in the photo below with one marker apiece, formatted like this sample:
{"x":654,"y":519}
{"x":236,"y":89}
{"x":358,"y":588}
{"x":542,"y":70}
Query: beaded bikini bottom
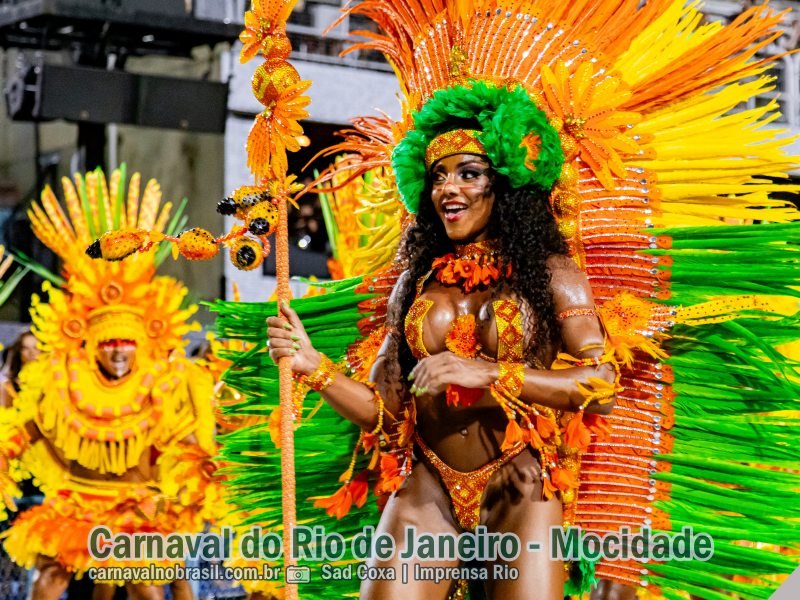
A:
{"x":466,"y":489}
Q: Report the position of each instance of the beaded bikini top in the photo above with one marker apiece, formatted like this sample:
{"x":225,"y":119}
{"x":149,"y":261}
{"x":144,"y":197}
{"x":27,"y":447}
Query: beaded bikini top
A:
{"x":462,"y":336}
{"x":474,"y":266}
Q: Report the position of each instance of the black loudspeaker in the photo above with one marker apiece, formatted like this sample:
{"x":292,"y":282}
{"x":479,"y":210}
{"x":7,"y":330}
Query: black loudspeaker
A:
{"x":81,"y":94}
{"x":182,"y":104}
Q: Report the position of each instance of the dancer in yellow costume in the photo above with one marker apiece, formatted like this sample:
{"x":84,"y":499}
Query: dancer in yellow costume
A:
{"x":114,"y":423}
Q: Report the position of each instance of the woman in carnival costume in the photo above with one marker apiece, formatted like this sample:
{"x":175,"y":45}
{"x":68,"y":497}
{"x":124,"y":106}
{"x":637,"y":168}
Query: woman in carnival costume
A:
{"x":564,"y":171}
{"x":113,"y":422}
{"x":482,"y":305}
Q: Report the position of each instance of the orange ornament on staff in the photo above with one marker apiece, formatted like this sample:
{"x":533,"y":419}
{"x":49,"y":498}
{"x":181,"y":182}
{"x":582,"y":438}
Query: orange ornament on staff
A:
{"x":260,"y":209}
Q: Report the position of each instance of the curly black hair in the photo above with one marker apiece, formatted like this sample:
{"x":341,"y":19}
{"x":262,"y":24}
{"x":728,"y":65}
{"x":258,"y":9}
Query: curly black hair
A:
{"x":527,"y":234}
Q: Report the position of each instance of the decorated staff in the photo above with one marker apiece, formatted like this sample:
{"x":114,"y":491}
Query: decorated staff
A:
{"x":260,"y":208}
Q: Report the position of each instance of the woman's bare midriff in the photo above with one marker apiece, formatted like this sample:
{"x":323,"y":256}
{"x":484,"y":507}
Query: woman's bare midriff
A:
{"x":464,"y":438}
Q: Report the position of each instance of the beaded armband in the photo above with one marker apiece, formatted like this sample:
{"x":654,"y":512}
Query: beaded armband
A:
{"x":579,"y":429}
{"x":510,"y":378}
{"x":567,"y":361}
{"x":576,"y":312}
{"x":322,"y":378}
{"x":595,"y":389}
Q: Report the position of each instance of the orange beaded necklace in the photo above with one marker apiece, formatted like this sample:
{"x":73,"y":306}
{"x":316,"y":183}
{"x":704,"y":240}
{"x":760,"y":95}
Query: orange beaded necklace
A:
{"x":473,"y":266}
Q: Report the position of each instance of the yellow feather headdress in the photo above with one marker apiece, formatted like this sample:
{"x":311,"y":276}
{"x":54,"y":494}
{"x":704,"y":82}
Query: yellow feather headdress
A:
{"x":101,"y":300}
{"x":642,"y":97}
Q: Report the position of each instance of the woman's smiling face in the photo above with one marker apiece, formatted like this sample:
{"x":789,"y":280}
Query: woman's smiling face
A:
{"x":462,"y":196}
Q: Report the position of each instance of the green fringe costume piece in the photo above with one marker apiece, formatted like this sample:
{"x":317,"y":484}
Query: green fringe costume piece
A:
{"x":320,"y":441}
{"x":733,"y":466}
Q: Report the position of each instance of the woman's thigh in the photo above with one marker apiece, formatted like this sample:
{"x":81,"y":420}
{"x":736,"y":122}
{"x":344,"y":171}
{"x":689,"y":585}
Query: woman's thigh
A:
{"x":423,"y":504}
{"x":513,"y":504}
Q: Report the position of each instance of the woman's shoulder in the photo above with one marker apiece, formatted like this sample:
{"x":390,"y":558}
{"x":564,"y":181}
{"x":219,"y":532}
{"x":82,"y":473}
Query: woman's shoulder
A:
{"x":569,"y":283}
{"x":561,"y":264}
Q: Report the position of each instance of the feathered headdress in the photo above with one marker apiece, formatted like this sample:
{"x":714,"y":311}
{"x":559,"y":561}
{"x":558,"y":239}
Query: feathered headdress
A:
{"x":101,"y":300}
{"x":625,"y":89}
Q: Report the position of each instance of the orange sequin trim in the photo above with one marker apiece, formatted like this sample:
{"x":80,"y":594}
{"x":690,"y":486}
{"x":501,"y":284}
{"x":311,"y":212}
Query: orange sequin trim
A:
{"x":466,"y":489}
{"x":577,"y":312}
{"x":462,"y":338}
{"x":413,"y":327}
{"x":457,"y":141}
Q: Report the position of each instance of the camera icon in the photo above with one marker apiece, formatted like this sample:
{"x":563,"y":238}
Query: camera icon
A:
{"x":298,"y":574}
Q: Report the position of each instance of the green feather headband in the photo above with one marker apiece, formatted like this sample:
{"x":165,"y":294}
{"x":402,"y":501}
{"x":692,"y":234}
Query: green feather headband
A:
{"x":519,"y":141}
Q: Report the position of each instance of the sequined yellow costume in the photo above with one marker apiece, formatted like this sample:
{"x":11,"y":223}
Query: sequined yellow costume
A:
{"x":132,"y":453}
